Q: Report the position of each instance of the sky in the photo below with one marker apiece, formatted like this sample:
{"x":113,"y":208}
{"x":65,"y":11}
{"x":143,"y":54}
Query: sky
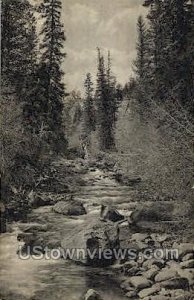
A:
{"x":107,"y":24}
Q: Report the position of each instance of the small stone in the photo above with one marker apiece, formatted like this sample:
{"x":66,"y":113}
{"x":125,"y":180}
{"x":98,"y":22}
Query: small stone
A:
{"x":165,"y":274}
{"x":184,"y":249}
{"x":150,"y":262}
{"x":92,"y":295}
{"x":150,"y":274}
{"x":131,"y":294}
{"x":188,"y":274}
{"x":175,"y":283}
{"x":187,"y":264}
{"x":188,"y":257}
{"x":180,"y":294}
{"x":150,"y":291}
{"x":139,"y":282}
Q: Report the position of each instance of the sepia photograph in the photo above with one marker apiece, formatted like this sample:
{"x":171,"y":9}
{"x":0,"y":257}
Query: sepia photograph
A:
{"x":97,"y":150}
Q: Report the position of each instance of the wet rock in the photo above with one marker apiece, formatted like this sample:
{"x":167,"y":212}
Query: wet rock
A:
{"x":188,"y":274}
{"x":69,"y":209}
{"x":131,"y":294}
{"x":132,"y":272}
{"x":180,"y":295}
{"x":111,"y":214}
{"x":152,"y":212}
{"x":175,"y":283}
{"x":139,"y":282}
{"x":165,"y":274}
{"x":92,"y":295}
{"x":149,"y":291}
{"x":33,"y":227}
{"x":159,"y":237}
{"x":147,"y":264}
{"x":139,"y":236}
{"x":187,"y":264}
{"x":151,"y":273}
{"x":184,"y":249}
{"x":188,"y":256}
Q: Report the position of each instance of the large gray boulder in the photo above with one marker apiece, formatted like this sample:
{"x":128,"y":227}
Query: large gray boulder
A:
{"x":73,"y":208}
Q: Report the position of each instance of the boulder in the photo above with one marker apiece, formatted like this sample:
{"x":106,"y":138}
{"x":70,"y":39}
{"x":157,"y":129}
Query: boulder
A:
{"x":180,"y":295}
{"x":149,"y":291}
{"x":165,"y":274}
{"x":184,"y":249}
{"x":69,"y":209}
{"x":175,"y":283}
{"x":188,"y":274}
{"x":188,"y":256}
{"x":147,"y":264}
{"x":110,"y":213}
{"x":151,"y":273}
{"x":139,"y":282}
{"x":131,"y":294}
{"x":188,"y":264}
{"x":92,"y":295}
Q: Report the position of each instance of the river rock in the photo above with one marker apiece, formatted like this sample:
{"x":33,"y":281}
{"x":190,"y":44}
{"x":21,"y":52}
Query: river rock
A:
{"x":188,"y":256}
{"x":139,"y":282}
{"x":188,"y":274}
{"x":180,"y":295}
{"x":147,"y":264}
{"x":131,"y":294}
{"x":187,"y":264}
{"x":149,"y":291}
{"x":110,"y":213}
{"x":92,"y":295}
{"x":69,"y":209}
{"x":175,"y":283}
{"x":32,"y":227}
{"x":165,"y":274}
{"x":151,"y":273}
{"x":183,"y":249}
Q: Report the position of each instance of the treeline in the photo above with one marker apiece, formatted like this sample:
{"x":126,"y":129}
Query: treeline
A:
{"x":32,"y":87}
{"x":164,"y":65}
{"x":161,"y":99}
{"x":101,"y":105}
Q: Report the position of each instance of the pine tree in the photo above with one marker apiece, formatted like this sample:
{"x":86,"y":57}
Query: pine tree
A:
{"x":89,"y":110}
{"x":51,"y":59}
{"x":142,"y":50}
{"x":106,"y":104}
{"x":19,"y":41}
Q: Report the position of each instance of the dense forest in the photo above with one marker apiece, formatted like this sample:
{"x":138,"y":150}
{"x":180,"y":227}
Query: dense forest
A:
{"x":104,"y":166}
{"x":147,"y":125}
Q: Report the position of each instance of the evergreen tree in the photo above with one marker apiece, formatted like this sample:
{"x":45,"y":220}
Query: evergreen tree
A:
{"x":142,"y":50}
{"x":51,"y":59}
{"x":106,"y":104}
{"x":19,"y":41}
{"x":89,"y":110}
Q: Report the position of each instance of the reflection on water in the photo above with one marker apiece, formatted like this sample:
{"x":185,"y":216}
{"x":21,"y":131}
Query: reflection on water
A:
{"x":50,"y":280}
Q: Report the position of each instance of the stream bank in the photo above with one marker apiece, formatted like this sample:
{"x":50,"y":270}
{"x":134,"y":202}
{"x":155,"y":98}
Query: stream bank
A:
{"x":62,"y":279}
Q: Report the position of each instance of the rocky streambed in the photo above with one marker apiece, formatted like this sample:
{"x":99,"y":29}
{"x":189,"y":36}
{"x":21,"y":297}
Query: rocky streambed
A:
{"x":68,"y":220}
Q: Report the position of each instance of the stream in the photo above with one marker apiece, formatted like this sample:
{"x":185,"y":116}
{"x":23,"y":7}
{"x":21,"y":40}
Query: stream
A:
{"x":60,"y":279}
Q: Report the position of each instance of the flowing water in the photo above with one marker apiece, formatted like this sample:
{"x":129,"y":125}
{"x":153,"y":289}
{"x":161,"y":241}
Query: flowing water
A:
{"x":60,"y":279}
